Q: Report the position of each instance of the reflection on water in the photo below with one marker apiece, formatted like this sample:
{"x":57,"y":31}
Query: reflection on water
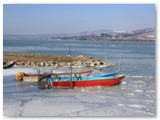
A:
{"x":19,"y":85}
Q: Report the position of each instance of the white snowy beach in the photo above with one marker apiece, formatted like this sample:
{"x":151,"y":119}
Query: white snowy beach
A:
{"x":135,"y":96}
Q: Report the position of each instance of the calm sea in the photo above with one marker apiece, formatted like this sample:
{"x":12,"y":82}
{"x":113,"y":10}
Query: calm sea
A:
{"x":138,"y":58}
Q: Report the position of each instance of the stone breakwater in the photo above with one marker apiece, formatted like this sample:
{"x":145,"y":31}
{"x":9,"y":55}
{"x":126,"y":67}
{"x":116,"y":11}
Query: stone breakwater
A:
{"x":32,"y":60}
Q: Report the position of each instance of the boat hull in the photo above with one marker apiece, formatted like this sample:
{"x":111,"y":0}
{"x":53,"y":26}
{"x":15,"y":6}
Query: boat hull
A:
{"x":88,"y":83}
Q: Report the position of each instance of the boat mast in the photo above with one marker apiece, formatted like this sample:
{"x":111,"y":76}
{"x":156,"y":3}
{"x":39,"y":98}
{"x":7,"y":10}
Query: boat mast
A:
{"x":120,"y":60}
{"x":70,"y":66}
{"x":38,"y":71}
{"x":105,"y":51}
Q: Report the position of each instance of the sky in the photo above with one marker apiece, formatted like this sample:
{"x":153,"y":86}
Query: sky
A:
{"x":74,"y":18}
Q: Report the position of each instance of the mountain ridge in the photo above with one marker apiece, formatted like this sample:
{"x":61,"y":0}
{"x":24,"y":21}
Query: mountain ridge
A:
{"x":145,"y":34}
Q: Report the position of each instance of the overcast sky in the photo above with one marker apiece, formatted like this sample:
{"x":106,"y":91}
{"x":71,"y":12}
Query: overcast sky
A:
{"x":65,"y":18}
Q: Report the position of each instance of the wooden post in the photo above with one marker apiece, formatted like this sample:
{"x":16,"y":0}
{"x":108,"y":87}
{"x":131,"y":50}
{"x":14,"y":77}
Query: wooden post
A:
{"x":120,"y":62}
{"x":70,"y":67}
{"x":105,"y":51}
{"x":38,"y":70}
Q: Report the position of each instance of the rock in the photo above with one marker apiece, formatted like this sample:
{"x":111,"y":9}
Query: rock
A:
{"x":46,"y":63}
{"x":75,"y":64}
{"x":96,"y":64}
{"x":42,"y":64}
{"x":20,"y":63}
{"x":101,"y":63}
{"x":4,"y":62}
{"x":27,"y":64}
{"x":92,"y":64}
{"x":56,"y":65}
{"x":50,"y":62}
{"x":33,"y":64}
{"x":38,"y":64}
{"x":80,"y":56}
{"x":15,"y":61}
{"x":99,"y":60}
{"x":81,"y":63}
{"x":86,"y":64}
{"x":61,"y":63}
{"x":92,"y":60}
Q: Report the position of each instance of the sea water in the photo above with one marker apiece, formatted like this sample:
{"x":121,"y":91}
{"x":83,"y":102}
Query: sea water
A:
{"x":135,"y":96}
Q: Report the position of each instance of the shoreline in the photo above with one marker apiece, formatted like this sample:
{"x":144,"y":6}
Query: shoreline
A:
{"x":42,"y":60}
{"x":115,"y":40}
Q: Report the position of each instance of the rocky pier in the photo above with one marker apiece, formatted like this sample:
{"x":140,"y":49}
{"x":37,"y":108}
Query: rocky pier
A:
{"x":41,"y":60}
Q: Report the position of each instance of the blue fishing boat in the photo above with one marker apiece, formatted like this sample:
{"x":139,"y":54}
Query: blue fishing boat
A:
{"x":85,"y":81}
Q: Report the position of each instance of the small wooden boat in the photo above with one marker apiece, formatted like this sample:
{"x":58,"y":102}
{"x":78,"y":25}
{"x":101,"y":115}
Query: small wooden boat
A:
{"x":8,"y":65}
{"x":85,"y":81}
{"x":35,"y":77}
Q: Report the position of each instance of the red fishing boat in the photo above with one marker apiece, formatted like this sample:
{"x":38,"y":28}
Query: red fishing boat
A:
{"x":86,"y":81}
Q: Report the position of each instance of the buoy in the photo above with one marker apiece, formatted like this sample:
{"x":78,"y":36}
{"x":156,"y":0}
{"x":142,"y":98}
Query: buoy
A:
{"x":19,"y":76}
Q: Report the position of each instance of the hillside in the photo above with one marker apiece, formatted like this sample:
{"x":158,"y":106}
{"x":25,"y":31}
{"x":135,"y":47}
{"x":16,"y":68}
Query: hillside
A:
{"x":135,"y":35}
{"x":148,"y":34}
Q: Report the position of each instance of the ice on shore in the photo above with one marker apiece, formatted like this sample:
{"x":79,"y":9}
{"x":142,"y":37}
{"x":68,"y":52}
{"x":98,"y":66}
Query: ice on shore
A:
{"x":134,"y":98}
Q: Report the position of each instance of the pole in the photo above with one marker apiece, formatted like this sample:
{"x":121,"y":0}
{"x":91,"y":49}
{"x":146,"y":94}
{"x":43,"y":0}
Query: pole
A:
{"x":38,"y":70}
{"x":70,"y":66}
{"x":105,"y":51}
{"x":120,"y":62}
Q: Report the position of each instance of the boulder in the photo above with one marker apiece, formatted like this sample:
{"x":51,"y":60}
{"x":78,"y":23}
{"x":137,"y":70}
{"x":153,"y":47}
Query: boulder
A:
{"x":75,"y":64}
{"x":56,"y":65}
{"x":50,"y":62}
{"x":4,"y":62}
{"x":92,"y":60}
{"x":46,"y":63}
{"x":61,"y":63}
{"x":29,"y":62}
{"x":80,"y":56}
{"x":80,"y":63}
{"x":42,"y":64}
{"x":15,"y":61}
{"x":20,"y":63}
{"x":96,"y":64}
{"x":92,"y":64}
{"x":33,"y":64}
{"x":37,"y":64}
{"x":101,"y":63}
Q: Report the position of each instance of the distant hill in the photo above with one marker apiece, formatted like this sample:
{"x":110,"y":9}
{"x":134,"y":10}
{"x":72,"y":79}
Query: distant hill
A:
{"x":148,"y":34}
